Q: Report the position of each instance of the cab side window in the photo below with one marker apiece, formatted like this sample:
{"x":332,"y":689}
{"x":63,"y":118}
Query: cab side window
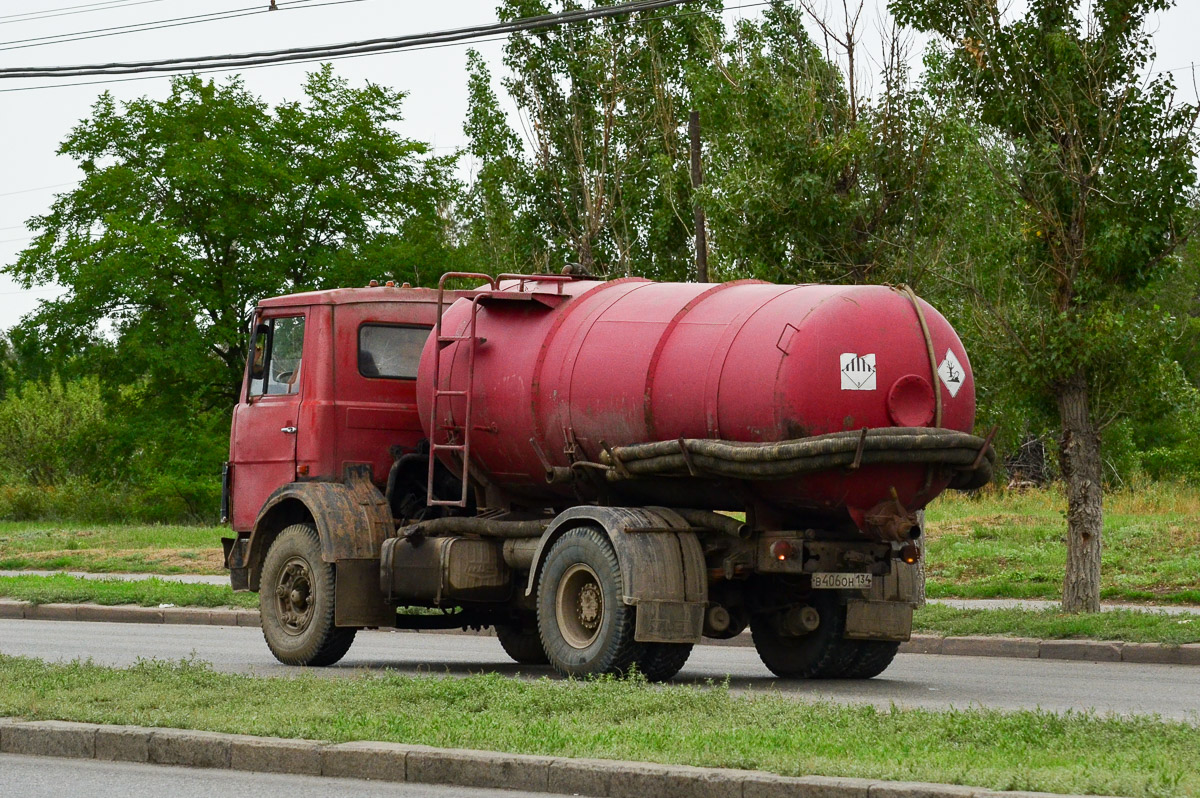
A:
{"x":275,"y":364}
{"x":389,"y":351}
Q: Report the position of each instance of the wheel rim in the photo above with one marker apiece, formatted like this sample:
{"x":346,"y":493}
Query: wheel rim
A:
{"x":579,"y":606}
{"x":293,"y":595}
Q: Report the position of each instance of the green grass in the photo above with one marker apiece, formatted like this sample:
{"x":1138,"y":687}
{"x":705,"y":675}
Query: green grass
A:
{"x":64,"y":589}
{"x":111,"y":548}
{"x":1011,"y":545}
{"x":614,"y":719}
{"x":1129,"y":626}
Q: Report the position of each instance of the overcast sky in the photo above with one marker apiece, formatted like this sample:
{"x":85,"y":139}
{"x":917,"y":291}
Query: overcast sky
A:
{"x":33,"y":122}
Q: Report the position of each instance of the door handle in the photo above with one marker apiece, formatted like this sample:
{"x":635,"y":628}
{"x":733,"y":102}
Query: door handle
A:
{"x":288,"y":430}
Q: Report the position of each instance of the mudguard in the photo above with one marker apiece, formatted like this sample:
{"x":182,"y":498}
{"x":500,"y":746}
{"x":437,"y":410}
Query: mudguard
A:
{"x":662,"y":566}
{"x":352,"y":519}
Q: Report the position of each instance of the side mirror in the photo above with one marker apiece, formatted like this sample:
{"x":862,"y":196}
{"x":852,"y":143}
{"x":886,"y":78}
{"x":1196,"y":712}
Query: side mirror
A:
{"x":258,"y":355}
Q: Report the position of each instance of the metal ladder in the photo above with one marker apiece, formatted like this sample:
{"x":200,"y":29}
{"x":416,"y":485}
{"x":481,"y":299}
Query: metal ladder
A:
{"x":463,"y":448}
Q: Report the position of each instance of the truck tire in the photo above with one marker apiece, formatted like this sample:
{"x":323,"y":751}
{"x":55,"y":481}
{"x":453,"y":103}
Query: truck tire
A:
{"x":523,"y":644}
{"x":296,"y":601}
{"x":586,"y":629}
{"x":872,"y":658}
{"x":661,"y":661}
{"x":821,"y":654}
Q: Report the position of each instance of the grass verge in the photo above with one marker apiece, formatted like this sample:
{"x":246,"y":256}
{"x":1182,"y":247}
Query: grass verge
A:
{"x":1129,"y":626}
{"x":64,"y":589}
{"x":614,"y":719}
{"x":1003,"y":544}
{"x":111,"y":548}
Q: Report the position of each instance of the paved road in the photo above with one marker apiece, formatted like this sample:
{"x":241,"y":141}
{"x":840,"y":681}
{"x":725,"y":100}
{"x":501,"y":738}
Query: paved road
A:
{"x":41,"y":777}
{"x":970,"y":604}
{"x":912,"y":681}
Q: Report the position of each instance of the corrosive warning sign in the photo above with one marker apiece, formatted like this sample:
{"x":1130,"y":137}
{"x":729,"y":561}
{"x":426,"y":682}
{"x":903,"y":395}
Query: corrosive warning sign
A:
{"x":858,"y":372}
{"x":951,"y":372}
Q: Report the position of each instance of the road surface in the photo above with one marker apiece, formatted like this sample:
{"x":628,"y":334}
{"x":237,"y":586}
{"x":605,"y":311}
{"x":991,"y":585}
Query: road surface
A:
{"x":913,"y":680}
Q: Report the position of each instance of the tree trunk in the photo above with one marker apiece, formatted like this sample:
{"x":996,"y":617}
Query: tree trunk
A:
{"x":1080,"y":457}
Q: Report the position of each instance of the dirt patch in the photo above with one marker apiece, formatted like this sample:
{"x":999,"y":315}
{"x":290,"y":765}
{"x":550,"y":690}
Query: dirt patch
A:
{"x":963,"y":527}
{"x":192,"y":561}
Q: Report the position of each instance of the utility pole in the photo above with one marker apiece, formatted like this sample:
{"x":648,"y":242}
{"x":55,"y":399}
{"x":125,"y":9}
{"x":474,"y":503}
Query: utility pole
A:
{"x":697,"y":181}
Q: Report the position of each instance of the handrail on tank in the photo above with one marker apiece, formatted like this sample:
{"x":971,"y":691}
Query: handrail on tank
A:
{"x":557,"y":279}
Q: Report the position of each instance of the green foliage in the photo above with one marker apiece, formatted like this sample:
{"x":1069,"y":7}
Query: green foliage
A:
{"x":79,"y":452}
{"x":194,"y":207}
{"x":1097,"y":164}
{"x":54,"y":432}
{"x":605,"y":181}
{"x":808,"y":180}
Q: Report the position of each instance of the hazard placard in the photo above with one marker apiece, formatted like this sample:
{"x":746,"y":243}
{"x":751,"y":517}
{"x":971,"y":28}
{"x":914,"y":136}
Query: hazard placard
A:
{"x":858,"y":372}
{"x":951,"y":373}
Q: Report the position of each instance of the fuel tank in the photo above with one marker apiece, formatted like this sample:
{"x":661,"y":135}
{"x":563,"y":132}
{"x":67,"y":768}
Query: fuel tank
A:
{"x":564,"y":369}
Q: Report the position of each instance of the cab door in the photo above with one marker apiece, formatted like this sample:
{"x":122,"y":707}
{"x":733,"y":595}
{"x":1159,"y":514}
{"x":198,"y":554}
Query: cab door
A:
{"x":266,"y":420}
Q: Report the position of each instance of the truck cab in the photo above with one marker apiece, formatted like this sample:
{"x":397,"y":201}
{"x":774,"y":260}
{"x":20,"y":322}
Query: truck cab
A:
{"x":330,"y":384}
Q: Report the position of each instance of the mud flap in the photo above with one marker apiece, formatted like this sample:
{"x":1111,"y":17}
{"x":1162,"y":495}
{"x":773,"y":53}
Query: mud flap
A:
{"x":878,"y":620}
{"x":358,"y":602}
{"x":668,"y":622}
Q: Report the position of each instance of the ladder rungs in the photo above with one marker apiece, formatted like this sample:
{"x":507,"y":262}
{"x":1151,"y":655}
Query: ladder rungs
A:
{"x":445,"y":503}
{"x":447,"y":447}
{"x":449,"y":393}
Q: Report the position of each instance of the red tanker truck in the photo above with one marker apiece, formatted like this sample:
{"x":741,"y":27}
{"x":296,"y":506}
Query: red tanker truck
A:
{"x":603,"y":471}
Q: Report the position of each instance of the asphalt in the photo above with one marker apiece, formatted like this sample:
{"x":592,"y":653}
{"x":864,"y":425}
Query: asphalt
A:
{"x":970,"y":604}
{"x":913,"y":680}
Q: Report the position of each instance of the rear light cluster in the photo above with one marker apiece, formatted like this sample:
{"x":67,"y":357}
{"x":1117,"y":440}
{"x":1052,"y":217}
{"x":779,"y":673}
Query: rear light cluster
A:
{"x":782,"y":550}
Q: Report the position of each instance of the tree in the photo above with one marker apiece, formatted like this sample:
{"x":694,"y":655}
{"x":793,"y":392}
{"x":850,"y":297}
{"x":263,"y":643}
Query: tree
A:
{"x":1099,"y":164}
{"x":810,"y":177}
{"x":602,"y":178}
{"x":194,"y":207}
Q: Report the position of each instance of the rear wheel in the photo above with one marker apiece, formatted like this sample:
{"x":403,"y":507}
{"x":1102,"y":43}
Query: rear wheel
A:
{"x":821,"y":654}
{"x":296,"y":601}
{"x":585,"y":627}
{"x":661,"y":661}
{"x":522,"y":643}
{"x":872,"y":659}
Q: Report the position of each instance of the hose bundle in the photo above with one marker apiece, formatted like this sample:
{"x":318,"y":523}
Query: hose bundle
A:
{"x":971,"y":457}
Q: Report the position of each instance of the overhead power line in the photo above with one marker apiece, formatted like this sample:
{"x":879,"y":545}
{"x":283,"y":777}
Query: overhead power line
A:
{"x":340,"y":50}
{"x":66,"y":11}
{"x":159,"y":24}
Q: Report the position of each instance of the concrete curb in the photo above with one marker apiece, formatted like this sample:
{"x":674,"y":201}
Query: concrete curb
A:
{"x":417,"y":764}
{"x":1010,"y":647}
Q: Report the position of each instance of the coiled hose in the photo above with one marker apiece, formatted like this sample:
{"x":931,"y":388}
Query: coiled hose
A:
{"x":958,"y":451}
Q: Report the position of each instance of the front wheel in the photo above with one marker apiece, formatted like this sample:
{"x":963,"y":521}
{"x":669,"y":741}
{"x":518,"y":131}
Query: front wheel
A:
{"x":296,"y":601}
{"x":586,"y":628}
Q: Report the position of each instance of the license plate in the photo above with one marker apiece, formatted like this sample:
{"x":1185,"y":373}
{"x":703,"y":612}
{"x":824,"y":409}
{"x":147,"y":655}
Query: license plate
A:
{"x":829,"y":581}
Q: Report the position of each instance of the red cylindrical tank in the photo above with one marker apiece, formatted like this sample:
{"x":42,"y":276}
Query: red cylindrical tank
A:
{"x":584,"y":364}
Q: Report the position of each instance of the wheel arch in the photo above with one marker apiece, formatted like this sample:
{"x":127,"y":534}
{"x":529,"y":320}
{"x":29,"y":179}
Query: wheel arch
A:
{"x":662,"y":566}
{"x":352,"y":520}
